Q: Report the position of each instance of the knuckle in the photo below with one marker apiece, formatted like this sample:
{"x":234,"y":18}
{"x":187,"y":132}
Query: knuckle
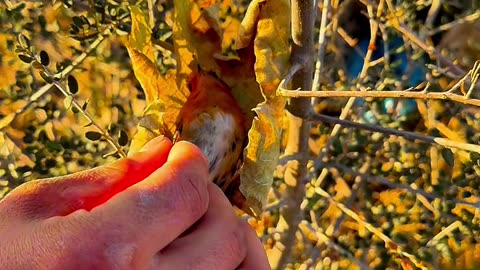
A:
{"x":104,"y":249}
{"x":25,"y":200}
{"x":193,"y":195}
{"x":236,"y":244}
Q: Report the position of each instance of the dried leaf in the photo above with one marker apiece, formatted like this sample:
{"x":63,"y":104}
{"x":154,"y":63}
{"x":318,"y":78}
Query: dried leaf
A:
{"x":239,"y":74}
{"x":5,"y":121}
{"x":261,"y":155}
{"x":197,"y":38}
{"x":272,"y":59}
{"x":165,"y":92}
{"x":164,"y":99}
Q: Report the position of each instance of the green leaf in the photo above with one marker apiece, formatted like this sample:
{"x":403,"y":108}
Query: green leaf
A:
{"x":475,"y":157}
{"x":448,"y":156}
{"x":44,"y":58}
{"x":122,"y":138}
{"x":24,"y":41}
{"x":37,"y":65}
{"x":45,"y":77}
{"x":93,"y":135}
{"x":72,"y":84}
{"x":25,"y":58}
{"x":78,"y":21}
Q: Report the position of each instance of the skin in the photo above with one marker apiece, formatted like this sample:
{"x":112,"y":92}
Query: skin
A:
{"x":153,"y":210}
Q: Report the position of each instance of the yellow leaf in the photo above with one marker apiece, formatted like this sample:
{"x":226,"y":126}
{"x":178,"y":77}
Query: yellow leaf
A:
{"x":140,"y":36}
{"x":271,"y":22}
{"x":140,"y":49}
{"x":249,"y":25}
{"x":272,"y":50}
{"x":342,"y":189}
{"x":163,"y":104}
{"x":197,"y":39}
{"x":411,"y":229}
{"x":261,"y":155}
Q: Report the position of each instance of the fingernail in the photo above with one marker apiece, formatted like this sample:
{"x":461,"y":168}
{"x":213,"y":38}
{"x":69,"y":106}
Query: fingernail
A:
{"x":152,"y":143}
{"x":199,"y":154}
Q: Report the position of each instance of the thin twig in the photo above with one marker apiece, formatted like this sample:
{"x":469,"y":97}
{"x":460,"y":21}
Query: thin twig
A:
{"x":42,"y":91}
{"x":405,"y":134}
{"x":320,"y":237}
{"x":357,"y":187}
{"x":408,"y":33}
{"x":389,"y":243}
{"x":371,"y":44}
{"x":322,"y":44}
{"x":382,"y":94}
{"x":385,"y":182}
{"x":85,"y":113}
{"x":151,"y":17}
{"x":432,"y":14}
{"x":351,"y":101}
{"x":444,"y":27}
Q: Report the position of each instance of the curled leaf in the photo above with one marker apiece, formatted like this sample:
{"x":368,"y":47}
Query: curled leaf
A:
{"x":270,"y":43}
{"x":261,"y":154}
{"x":164,"y":98}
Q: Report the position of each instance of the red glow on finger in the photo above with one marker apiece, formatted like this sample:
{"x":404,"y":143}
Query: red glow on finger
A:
{"x":132,"y":171}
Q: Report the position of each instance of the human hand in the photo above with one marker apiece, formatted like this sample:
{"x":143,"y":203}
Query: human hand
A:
{"x":154,"y":210}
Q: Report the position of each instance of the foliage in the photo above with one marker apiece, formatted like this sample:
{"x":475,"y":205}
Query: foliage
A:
{"x":79,"y":78}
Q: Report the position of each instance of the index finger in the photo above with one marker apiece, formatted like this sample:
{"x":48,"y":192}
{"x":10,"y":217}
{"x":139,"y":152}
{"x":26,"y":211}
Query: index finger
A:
{"x":157,"y":210}
{"x":61,"y":196}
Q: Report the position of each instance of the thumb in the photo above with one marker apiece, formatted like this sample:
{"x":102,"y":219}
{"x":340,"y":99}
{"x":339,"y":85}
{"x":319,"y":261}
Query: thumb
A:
{"x":63,"y":195}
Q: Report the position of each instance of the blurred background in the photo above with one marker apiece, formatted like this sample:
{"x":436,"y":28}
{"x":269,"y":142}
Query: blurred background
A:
{"x":423,"y":197}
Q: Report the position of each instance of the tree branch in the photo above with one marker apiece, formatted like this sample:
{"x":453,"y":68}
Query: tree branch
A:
{"x":382,"y":94}
{"x":303,"y":15}
{"x":405,"y":134}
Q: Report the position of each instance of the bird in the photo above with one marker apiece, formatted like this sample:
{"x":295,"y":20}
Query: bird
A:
{"x":212,"y":120}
